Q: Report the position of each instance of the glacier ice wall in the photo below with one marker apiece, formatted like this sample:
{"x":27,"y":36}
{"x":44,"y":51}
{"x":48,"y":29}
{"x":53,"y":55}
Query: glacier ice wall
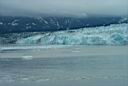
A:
{"x":115,"y":34}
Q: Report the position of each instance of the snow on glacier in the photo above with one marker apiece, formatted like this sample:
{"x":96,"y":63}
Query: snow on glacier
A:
{"x":1,"y":23}
{"x":115,"y":34}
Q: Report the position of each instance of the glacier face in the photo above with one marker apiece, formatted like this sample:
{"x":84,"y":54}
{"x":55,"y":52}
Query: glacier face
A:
{"x":115,"y":34}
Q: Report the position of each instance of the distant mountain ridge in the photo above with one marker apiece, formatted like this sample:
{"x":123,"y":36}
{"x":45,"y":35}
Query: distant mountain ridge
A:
{"x":10,"y":24}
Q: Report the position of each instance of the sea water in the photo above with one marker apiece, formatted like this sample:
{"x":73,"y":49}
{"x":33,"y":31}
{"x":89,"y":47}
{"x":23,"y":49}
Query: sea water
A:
{"x":79,"y":70}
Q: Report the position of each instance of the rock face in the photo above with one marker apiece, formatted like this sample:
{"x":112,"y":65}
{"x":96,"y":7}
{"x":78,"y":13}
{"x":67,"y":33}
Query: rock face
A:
{"x":9,"y":24}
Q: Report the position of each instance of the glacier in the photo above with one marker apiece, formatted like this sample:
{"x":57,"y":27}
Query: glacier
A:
{"x":115,"y":34}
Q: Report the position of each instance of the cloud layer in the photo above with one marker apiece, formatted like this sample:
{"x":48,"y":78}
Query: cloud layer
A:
{"x":64,"y":7}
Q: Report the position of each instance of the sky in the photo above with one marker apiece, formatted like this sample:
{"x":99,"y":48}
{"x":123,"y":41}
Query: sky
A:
{"x":64,"y":7}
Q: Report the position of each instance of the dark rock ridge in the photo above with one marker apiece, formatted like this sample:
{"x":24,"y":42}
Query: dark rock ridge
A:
{"x":11,"y":24}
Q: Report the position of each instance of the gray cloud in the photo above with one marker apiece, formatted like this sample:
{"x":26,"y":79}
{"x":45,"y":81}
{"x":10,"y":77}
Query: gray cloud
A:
{"x":64,"y":7}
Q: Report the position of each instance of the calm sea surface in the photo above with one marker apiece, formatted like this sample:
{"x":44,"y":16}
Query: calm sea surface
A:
{"x":99,"y":70}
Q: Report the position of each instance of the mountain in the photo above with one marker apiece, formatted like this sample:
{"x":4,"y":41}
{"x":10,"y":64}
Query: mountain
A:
{"x":14,"y":24}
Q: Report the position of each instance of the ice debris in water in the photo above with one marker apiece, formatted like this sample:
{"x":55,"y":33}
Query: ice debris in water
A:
{"x":27,"y":57}
{"x":115,"y":34}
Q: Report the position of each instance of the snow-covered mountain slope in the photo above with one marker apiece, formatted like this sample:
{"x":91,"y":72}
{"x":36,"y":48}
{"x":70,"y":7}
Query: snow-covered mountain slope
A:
{"x":115,"y":34}
{"x":12,"y":24}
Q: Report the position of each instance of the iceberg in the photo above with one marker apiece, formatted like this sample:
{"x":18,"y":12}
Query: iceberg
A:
{"x":115,"y":34}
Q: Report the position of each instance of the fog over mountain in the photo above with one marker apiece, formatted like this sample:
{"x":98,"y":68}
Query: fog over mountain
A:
{"x":64,"y":7}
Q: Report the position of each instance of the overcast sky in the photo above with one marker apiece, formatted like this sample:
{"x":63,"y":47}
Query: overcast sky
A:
{"x":64,"y":7}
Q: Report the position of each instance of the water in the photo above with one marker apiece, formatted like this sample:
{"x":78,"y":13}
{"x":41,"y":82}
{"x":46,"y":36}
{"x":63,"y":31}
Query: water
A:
{"x":99,"y":70}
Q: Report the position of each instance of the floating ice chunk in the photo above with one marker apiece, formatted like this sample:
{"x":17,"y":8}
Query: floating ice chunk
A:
{"x":76,"y":51}
{"x":27,"y":57}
